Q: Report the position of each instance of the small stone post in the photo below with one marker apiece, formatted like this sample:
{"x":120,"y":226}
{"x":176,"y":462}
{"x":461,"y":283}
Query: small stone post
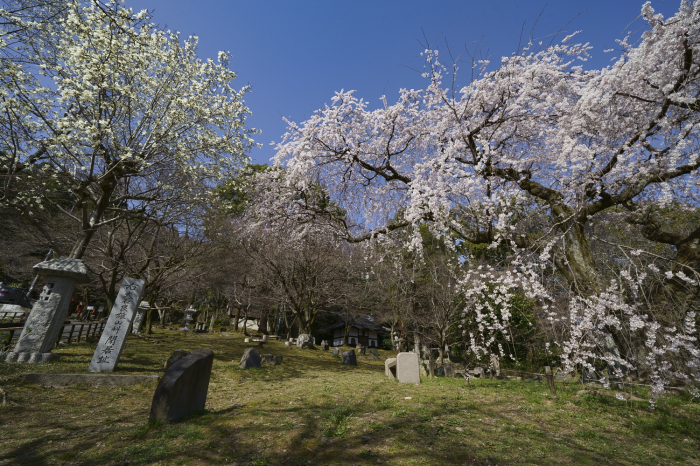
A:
{"x":144,"y":306}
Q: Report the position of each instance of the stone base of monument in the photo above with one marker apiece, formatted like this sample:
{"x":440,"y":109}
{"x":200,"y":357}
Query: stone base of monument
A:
{"x":96,"y":380}
{"x":183,"y":389}
{"x":31,"y":357}
{"x":271,"y":359}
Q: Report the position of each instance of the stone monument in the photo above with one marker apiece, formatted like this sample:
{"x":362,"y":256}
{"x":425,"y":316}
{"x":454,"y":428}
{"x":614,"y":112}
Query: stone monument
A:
{"x":140,"y":314}
{"x":184,"y":386}
{"x":116,"y":329}
{"x":407,"y":368}
{"x":349,"y":358}
{"x":45,"y":321}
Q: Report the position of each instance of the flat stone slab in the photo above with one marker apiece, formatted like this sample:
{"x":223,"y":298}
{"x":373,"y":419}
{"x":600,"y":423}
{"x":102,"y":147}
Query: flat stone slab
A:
{"x":96,"y":380}
{"x":390,"y":368}
{"x":183,"y":389}
{"x":407,"y":368}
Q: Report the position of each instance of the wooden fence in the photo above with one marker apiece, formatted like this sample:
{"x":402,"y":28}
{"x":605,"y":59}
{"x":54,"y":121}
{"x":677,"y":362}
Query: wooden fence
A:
{"x":69,"y":333}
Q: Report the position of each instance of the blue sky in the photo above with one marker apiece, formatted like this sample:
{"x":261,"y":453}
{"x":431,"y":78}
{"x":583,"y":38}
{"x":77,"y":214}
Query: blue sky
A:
{"x":296,"y":54}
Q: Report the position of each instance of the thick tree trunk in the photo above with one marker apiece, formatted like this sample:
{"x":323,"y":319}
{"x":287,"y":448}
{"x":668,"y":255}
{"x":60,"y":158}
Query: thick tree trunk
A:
{"x":262,"y":326}
{"x":237,"y":317}
{"x":575,"y":261}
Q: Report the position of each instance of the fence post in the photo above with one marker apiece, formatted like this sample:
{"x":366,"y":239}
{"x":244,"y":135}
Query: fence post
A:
{"x":550,"y":381}
{"x":60,"y":335}
{"x":80,"y":333}
{"x":70,"y":335}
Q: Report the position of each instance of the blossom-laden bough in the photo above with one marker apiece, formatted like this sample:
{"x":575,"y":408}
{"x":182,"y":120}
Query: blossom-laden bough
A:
{"x":121,"y":118}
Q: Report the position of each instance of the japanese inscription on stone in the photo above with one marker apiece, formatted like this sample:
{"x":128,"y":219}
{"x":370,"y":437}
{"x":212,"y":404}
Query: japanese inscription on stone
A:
{"x":112,"y":340}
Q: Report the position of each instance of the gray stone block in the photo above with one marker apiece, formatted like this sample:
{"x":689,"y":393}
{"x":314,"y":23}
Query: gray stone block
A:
{"x":390,"y":368}
{"x":305,"y":341}
{"x":183,"y":389}
{"x":407,"y":368}
{"x":251,"y":358}
{"x":31,"y":357}
{"x":40,"y":326}
{"x":336,"y":352}
{"x":271,"y":359}
{"x":350,"y":358}
{"x":95,"y":380}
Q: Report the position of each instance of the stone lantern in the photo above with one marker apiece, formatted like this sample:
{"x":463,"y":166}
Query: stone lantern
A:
{"x":189,"y":312}
{"x":45,"y":321}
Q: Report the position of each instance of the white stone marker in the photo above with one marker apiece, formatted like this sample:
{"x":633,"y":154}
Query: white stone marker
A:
{"x":140,"y":314}
{"x":45,"y":321}
{"x":114,"y":335}
{"x":407,"y":368}
{"x":495,"y":365}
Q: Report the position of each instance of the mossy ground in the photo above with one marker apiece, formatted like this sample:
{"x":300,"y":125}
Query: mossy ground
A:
{"x":313,"y":410}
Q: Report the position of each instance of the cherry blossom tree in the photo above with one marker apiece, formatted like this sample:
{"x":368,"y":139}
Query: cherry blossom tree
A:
{"x":101,"y":103}
{"x":537,"y":154}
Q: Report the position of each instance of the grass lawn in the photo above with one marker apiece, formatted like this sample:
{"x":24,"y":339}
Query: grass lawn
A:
{"x":314,"y":410}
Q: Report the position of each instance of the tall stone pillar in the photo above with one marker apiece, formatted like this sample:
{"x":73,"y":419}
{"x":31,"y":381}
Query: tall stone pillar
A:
{"x":42,"y":328}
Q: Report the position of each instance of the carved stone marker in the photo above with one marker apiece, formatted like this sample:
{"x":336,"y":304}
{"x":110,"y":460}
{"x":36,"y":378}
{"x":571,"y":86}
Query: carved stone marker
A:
{"x":45,"y":321}
{"x":336,"y":351}
{"x":140,"y":314}
{"x":120,"y":319}
{"x":350,"y":358}
{"x":407,"y":369}
{"x":183,"y":389}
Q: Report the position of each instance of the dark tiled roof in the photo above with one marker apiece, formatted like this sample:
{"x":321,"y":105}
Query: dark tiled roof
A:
{"x":363,"y":322}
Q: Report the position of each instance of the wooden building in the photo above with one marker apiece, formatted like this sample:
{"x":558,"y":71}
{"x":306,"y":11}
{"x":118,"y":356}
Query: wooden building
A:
{"x":363,"y":331}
